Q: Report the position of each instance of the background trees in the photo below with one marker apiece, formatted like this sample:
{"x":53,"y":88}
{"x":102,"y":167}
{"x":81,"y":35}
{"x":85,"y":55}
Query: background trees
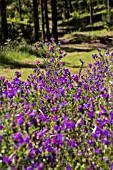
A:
{"x":3,"y":21}
{"x":36,"y":19}
{"x":91,"y":11}
{"x":54,"y":20}
{"x":42,"y":19}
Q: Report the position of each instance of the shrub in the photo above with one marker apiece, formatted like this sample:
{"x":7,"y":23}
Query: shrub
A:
{"x":56,"y":120}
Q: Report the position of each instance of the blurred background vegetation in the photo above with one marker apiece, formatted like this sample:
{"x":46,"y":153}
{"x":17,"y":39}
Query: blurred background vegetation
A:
{"x":80,"y":25}
{"x":32,"y":20}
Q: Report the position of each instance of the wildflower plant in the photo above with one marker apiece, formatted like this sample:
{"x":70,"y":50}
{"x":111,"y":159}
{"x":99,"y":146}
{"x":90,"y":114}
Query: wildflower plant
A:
{"x":56,"y":120}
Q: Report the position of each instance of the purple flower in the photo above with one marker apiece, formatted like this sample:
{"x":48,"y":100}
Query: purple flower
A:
{"x":32,"y":114}
{"x":60,"y":51}
{"x":107,"y":53}
{"x":90,"y":65}
{"x":105,"y":132}
{"x":70,"y":125}
{"x":75,"y":77}
{"x":111,"y":115}
{"x":106,"y":142}
{"x":36,"y":47}
{"x":68,"y":167}
{"x":17,"y":137}
{"x":98,"y":151}
{"x":29,"y":168}
{"x":105,"y":69}
{"x":94,"y":56}
{"x":6,"y":160}
{"x":20,"y":119}
{"x":61,"y":63}
{"x":18,"y":74}
{"x":32,"y":153}
{"x":92,"y":89}
{"x":30,"y":145}
{"x":105,"y":159}
{"x":0,"y":139}
{"x":53,"y":59}
{"x":111,"y":166}
{"x":55,"y":117}
{"x":51,"y":48}
{"x":38,"y":42}
{"x":98,"y":49}
{"x":40,"y":166}
{"x":55,"y":109}
{"x":88,"y":168}
{"x":1,"y":127}
{"x":60,"y":137}
{"x":91,"y":114}
{"x":52,"y":39}
{"x":37,"y":62}
{"x":67,"y":72}
{"x":26,"y":138}
{"x":73,"y":143}
{"x":57,"y":127}
{"x":64,"y":103}
{"x":47,"y":55}
{"x":59,"y":43}
{"x":10,"y":94}
{"x":61,"y":90}
{"x":15,"y":157}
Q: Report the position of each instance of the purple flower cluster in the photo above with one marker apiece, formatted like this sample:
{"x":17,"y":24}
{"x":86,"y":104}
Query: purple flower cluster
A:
{"x":58,"y":120}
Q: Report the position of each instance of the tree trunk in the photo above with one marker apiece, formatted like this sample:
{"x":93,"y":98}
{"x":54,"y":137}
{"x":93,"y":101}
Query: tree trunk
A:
{"x":108,"y":12}
{"x":42,"y":17}
{"x":66,"y":9}
{"x":47,"y":21}
{"x":70,"y":6}
{"x":36,"y":19}
{"x":54,"y":20}
{"x":20,"y":10}
{"x":91,"y":12}
{"x":0,"y":24}
{"x":3,"y":21}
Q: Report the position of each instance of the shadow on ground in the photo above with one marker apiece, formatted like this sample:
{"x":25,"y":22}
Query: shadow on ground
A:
{"x":67,"y":64}
{"x":12,"y":64}
{"x":82,"y":23}
{"x":70,"y":50}
{"x":31,"y":51}
{"x":85,"y":43}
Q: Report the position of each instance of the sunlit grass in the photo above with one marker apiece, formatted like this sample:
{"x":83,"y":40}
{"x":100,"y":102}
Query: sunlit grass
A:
{"x":100,"y":33}
{"x":72,"y":61}
{"x":12,"y":61}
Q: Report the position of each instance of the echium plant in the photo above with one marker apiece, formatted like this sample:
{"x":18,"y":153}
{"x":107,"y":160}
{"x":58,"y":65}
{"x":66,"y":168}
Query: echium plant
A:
{"x":56,"y":120}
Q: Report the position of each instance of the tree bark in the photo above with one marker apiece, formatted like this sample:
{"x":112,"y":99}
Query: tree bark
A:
{"x":42,"y":17}
{"x":3,"y":21}
{"x":47,"y":21}
{"x":70,"y":6}
{"x":66,"y":9}
{"x":108,"y":12}
{"x":91,"y":12}
{"x":54,"y":20}
{"x":20,"y":10}
{"x":36,"y":19}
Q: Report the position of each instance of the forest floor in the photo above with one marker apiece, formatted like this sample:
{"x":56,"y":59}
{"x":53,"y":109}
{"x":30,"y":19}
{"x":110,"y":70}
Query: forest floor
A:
{"x":84,"y":42}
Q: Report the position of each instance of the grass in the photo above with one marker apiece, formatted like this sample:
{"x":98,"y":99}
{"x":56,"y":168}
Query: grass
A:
{"x":72,"y":60}
{"x":12,"y":61}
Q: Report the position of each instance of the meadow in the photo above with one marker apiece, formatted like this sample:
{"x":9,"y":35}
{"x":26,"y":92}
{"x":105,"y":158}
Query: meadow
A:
{"x":52,"y":118}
